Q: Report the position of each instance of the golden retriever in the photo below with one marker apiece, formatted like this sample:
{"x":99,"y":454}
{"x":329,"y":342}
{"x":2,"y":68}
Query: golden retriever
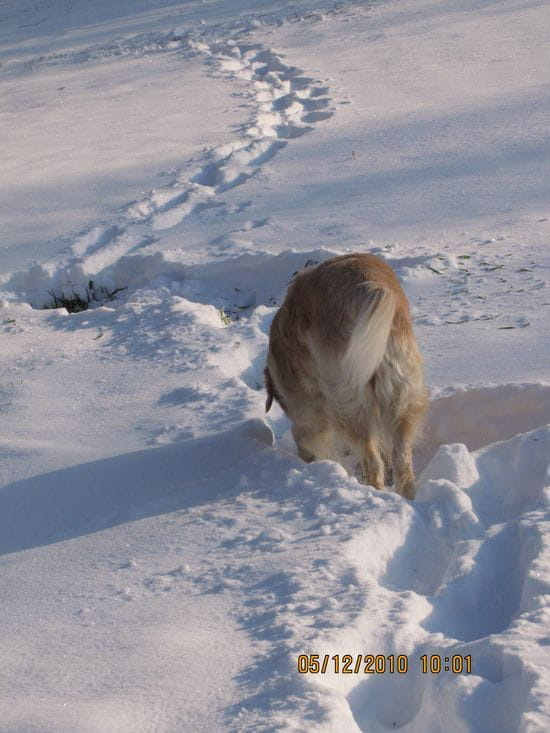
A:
{"x":343,"y":363}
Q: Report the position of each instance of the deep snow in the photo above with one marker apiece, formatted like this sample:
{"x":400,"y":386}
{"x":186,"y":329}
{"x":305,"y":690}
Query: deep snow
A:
{"x":165,"y":556}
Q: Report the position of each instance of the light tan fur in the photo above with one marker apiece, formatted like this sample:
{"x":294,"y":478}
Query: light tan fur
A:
{"x":343,"y":363}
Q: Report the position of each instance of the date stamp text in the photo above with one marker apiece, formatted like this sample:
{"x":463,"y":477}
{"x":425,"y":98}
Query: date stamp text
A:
{"x":382,"y":663}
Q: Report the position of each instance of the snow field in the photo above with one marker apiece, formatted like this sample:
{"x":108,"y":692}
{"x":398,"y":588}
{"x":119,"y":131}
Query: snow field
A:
{"x":457,"y":572}
{"x":165,"y":555}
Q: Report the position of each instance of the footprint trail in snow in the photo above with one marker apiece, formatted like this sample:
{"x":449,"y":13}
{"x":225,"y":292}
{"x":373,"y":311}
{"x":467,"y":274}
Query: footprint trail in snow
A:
{"x":285,"y":103}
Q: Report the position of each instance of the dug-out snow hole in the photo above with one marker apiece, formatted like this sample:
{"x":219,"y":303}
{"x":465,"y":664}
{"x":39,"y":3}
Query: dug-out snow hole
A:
{"x":79,"y":299}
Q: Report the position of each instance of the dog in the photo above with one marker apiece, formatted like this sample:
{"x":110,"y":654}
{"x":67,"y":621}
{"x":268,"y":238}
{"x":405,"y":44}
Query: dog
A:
{"x":344,"y":364}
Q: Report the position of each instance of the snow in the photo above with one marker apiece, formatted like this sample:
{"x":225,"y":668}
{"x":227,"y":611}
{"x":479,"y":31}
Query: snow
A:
{"x":165,"y":556}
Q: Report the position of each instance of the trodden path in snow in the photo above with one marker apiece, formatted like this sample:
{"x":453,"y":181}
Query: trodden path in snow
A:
{"x":285,"y":104}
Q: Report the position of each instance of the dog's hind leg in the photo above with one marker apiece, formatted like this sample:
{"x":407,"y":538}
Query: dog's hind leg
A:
{"x":404,"y":431}
{"x":402,"y":464}
{"x":373,"y":465}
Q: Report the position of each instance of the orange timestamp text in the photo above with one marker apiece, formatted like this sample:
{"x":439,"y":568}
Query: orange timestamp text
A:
{"x":382,"y":663}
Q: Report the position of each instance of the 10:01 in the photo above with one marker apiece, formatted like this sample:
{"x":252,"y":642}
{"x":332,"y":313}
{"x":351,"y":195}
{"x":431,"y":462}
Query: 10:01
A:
{"x":457,"y":664}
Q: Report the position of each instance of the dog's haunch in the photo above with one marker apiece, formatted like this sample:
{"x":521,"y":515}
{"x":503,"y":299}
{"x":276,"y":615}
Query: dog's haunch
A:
{"x":343,"y":363}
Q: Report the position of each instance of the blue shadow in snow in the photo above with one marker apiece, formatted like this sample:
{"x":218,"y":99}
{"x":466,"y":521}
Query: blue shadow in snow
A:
{"x":91,"y":497}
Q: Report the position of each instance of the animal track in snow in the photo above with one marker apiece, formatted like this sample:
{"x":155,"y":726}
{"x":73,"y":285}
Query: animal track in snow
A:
{"x":286,"y":105}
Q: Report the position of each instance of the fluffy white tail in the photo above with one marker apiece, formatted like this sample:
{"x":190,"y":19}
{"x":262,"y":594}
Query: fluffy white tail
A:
{"x":367,"y":344}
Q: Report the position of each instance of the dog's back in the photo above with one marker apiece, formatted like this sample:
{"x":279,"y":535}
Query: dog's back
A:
{"x":343,"y":358}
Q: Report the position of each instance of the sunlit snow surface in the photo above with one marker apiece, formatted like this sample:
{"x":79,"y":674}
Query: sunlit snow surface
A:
{"x":165,"y":555}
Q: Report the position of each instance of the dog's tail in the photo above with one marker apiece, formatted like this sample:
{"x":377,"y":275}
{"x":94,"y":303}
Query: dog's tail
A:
{"x":367,"y":343}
